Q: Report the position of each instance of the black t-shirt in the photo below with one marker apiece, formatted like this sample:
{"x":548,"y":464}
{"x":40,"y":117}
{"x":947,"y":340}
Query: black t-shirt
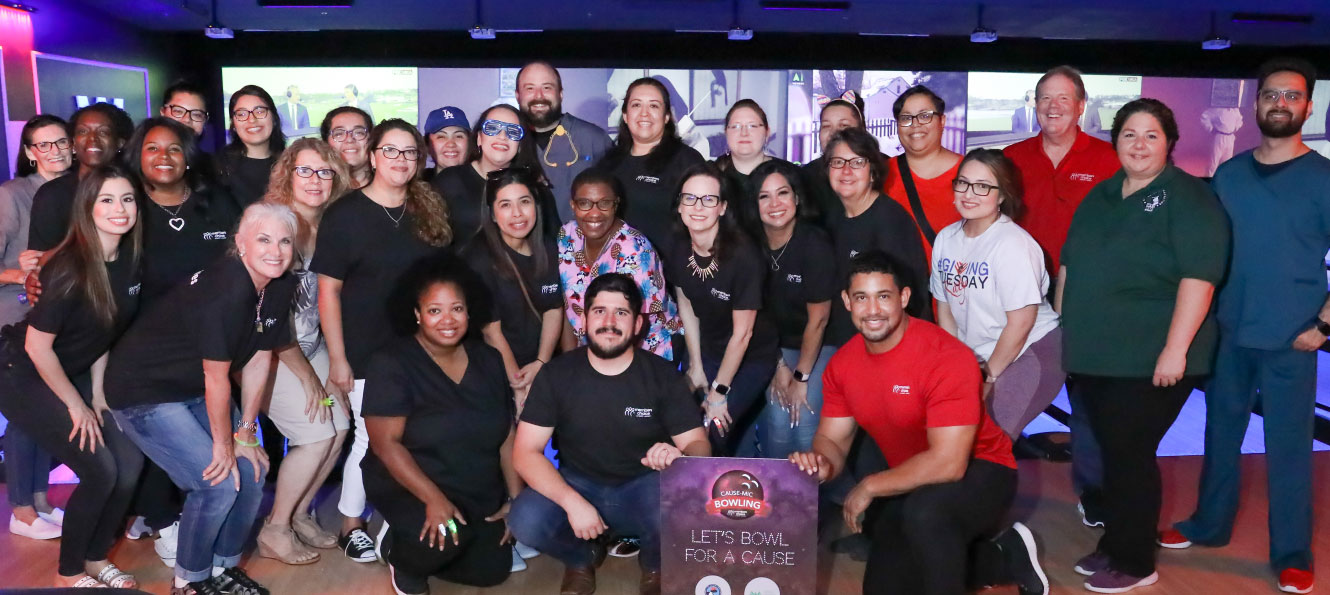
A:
{"x":463,"y":189}
{"x":736,"y":285}
{"x":818,"y":188}
{"x":453,"y":430}
{"x":216,"y":316}
{"x":80,"y":336}
{"x":604,"y":425}
{"x":888,"y":227}
{"x":170,"y":256}
{"x":806,"y":275}
{"x":48,"y":221}
{"x":543,"y":138}
{"x":359,"y":244}
{"x":246,"y":177}
{"x":506,"y":302}
{"x":650,"y":194}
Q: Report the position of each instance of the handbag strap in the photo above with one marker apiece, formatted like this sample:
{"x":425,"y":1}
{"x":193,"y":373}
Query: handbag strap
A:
{"x":916,"y":205}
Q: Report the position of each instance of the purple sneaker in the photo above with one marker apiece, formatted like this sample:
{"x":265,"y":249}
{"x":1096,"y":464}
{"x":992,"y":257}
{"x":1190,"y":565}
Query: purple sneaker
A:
{"x":1112,"y":581}
{"x":1092,"y":564}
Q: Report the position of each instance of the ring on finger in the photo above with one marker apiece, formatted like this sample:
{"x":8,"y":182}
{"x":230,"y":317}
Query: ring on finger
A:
{"x":443,"y":529}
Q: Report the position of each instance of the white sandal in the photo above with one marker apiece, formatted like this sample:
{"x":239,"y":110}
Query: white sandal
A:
{"x":88,"y":582}
{"x":116,"y":579}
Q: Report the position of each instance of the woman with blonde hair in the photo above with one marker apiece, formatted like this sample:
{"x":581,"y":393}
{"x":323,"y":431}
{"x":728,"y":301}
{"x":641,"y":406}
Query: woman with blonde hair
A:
{"x":312,"y":414}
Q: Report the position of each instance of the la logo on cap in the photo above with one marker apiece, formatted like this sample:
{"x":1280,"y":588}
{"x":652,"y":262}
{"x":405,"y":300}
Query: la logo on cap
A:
{"x":447,"y":114}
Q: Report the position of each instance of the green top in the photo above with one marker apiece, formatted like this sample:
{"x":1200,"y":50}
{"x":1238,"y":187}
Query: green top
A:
{"x":1125,"y":259}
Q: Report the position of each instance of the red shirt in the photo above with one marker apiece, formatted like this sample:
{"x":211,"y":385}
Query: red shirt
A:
{"x":929,"y":380}
{"x":1052,"y":194}
{"x":935,"y":194}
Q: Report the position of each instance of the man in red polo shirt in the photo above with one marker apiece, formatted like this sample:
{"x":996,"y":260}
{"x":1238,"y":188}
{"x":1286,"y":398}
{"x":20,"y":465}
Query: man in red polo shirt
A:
{"x":916,"y":391}
{"x":1058,"y":168}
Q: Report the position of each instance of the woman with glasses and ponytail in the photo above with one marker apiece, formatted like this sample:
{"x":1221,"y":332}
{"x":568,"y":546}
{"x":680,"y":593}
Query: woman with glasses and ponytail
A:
{"x":500,"y":139}
{"x":366,"y":241}
{"x":256,"y":141}
{"x":346,"y":130}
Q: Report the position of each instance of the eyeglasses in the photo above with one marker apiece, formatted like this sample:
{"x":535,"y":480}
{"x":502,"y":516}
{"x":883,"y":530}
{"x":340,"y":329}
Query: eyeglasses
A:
{"x":1289,"y":95}
{"x":195,"y":115}
{"x":840,"y":163}
{"x":393,"y":152}
{"x":493,"y":127}
{"x":45,"y":146}
{"x":979,"y":188}
{"x":747,"y":127}
{"x":921,"y":118}
{"x":242,"y":114}
{"x":358,"y":133}
{"x":709,"y":201}
{"x":305,"y":171}
{"x":604,"y":205}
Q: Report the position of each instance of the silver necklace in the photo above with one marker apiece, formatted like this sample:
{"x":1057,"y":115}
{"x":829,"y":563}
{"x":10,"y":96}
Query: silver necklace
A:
{"x":176,"y":221}
{"x":775,"y":260}
{"x":397,"y":221}
{"x":258,"y":312}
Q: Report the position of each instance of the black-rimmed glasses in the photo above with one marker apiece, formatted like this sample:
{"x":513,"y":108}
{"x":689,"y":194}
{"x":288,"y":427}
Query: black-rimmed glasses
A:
{"x":979,"y":188}
{"x":394,"y":152}
{"x":180,"y":111}
{"x":921,"y":118}
{"x":708,"y":200}
{"x":45,"y":146}
{"x":305,"y":171}
{"x":358,"y":133}
{"x":242,"y":114}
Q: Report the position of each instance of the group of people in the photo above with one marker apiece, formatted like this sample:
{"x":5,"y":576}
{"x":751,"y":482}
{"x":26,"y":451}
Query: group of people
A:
{"x":634,"y":303}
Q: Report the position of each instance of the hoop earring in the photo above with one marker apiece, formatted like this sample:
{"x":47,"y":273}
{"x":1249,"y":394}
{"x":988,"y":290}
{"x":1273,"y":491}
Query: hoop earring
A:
{"x":32,"y":162}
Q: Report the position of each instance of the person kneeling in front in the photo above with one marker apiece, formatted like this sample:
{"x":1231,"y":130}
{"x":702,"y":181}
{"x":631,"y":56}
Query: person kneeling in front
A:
{"x":932,"y":516}
{"x":621,"y":415}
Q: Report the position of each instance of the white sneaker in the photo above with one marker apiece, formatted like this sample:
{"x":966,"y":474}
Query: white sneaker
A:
{"x":525,"y":551}
{"x":138,"y":529}
{"x":39,"y":528}
{"x":518,"y":563}
{"x":166,"y":544}
{"x":55,"y":517}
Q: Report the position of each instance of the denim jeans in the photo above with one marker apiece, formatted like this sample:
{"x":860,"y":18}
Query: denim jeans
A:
{"x":217,"y":519}
{"x":630,"y":508}
{"x":27,"y":467}
{"x":778,"y":439}
{"x":746,"y":400}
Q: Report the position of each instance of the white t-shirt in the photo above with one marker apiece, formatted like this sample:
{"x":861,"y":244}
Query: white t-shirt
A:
{"x":981,"y":279}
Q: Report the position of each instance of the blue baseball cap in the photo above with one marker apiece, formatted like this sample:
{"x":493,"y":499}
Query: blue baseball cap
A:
{"x":444,"y":117}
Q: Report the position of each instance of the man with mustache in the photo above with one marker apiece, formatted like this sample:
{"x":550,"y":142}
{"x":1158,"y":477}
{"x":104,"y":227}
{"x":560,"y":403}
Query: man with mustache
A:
{"x":1273,"y":316}
{"x":935,"y":516}
{"x":620,"y":414}
{"x":567,"y":144}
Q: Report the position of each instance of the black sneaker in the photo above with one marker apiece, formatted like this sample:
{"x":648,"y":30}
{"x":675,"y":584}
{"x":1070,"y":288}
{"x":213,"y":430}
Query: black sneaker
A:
{"x":1022,"y":557}
{"x":205,"y":587}
{"x":1090,"y":516}
{"x":405,"y":584}
{"x":234,"y":581}
{"x":358,"y":546}
{"x":625,"y":547}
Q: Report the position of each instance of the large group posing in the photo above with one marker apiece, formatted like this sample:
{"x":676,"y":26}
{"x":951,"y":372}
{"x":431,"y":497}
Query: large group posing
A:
{"x":634,"y":303}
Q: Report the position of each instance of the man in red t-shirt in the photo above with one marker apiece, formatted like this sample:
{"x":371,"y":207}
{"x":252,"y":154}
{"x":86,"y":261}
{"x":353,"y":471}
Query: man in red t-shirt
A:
{"x":916,"y":391}
{"x":920,"y":119}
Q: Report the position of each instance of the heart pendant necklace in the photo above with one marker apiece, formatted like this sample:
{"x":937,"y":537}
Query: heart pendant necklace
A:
{"x":176,"y":221}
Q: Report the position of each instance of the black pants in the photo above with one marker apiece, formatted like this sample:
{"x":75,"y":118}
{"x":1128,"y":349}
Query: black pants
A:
{"x":937,"y":539}
{"x":1129,"y":417}
{"x":96,"y":509}
{"x":478,"y":560}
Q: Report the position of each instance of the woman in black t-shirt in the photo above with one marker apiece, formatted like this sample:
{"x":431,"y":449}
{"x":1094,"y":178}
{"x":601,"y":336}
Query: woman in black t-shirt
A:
{"x":367,"y":239}
{"x":718,"y":275}
{"x":440,"y":418}
{"x":517,"y":260}
{"x":97,"y":132}
{"x":346,"y":130}
{"x":256,"y":141}
{"x":648,"y":157}
{"x":500,"y":139}
{"x":91,"y":283}
{"x":168,"y":383}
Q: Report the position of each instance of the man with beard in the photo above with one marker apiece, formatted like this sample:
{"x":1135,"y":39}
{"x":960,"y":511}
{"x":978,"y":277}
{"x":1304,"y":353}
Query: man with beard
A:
{"x":935,"y":515}
{"x":1273,"y":315}
{"x":566,"y":144}
{"x":620,"y":414}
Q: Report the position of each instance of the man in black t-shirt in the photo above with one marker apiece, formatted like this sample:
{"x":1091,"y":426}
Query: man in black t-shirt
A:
{"x":621,"y":415}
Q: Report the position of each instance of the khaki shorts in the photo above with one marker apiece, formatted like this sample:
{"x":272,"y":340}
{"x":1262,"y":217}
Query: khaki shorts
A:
{"x":287,"y":407}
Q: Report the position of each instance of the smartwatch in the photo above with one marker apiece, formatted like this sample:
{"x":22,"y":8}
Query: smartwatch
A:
{"x":1322,"y":326}
{"x":801,"y":377}
{"x":721,"y":389}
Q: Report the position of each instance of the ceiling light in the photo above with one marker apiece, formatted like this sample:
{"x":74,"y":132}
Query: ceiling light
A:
{"x":982,"y":34}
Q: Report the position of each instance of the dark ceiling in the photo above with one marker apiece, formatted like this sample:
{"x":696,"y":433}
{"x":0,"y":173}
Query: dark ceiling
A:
{"x":1128,"y":20}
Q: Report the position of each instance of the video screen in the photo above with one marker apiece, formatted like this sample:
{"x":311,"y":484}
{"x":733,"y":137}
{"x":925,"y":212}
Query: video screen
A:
{"x":304,"y":95}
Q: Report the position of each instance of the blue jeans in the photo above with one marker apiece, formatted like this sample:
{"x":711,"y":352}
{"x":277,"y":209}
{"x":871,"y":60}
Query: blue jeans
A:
{"x":217,"y":519}
{"x":1087,"y":465}
{"x":747,"y":397}
{"x":778,"y":439}
{"x":27,"y":467}
{"x":630,"y":508}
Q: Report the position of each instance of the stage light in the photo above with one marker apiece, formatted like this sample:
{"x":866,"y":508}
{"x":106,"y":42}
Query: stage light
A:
{"x":479,"y":32}
{"x":982,"y":34}
{"x":219,"y":32}
{"x":737,"y":34}
{"x":1217,"y":43}
{"x":17,"y":6}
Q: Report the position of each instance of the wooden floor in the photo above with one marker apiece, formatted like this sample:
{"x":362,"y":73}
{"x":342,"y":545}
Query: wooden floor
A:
{"x":1045,"y":503}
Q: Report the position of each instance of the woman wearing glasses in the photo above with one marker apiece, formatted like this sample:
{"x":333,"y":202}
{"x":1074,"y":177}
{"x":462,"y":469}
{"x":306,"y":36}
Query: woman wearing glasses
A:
{"x":46,"y":155}
{"x":307,"y":178}
{"x":499,"y":140}
{"x":184,"y":102}
{"x":346,"y":130}
{"x":930,"y":167}
{"x":719,"y":276}
{"x":366,"y":241}
{"x":989,"y":286}
{"x":256,"y":141}
{"x":866,"y":220}
{"x":598,"y":241}
{"x":746,"y":134}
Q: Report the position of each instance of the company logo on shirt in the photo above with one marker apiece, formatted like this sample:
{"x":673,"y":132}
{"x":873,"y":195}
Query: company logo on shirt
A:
{"x":1154,"y":200}
{"x":195,"y":277}
{"x":551,"y":288}
{"x":1077,"y":177}
{"x":720,"y":295}
{"x":214,"y":235}
{"x":900,"y":389}
{"x":637,"y":412}
{"x":269,"y":322}
{"x":648,"y":179}
{"x":792,"y":278}
{"x":134,"y":290}
{"x":854,"y":253}
{"x":958,"y":276}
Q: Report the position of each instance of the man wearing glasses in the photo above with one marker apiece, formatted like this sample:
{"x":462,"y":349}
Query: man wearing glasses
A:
{"x":565,"y":144}
{"x":184,"y":103}
{"x":1273,"y":317}
{"x":920,"y":179}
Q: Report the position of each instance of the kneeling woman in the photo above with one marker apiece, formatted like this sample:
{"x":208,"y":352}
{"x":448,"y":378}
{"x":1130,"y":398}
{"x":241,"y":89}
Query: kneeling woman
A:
{"x":92,"y":283}
{"x":440,"y":418}
{"x":169,"y":385}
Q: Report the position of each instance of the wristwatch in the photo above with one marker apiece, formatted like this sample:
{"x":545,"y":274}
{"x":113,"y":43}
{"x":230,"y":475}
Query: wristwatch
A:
{"x":252,"y":426}
{"x":721,"y":389}
{"x":801,"y":377}
{"x":1322,"y":326}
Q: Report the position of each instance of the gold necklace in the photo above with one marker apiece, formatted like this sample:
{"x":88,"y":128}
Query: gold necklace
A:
{"x":702,"y":273}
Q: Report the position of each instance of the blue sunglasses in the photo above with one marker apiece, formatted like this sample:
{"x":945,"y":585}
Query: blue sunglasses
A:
{"x":493,"y":127}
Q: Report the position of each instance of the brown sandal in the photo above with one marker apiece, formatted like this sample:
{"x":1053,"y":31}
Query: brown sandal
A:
{"x":309,"y":531}
{"x":280,"y":543}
